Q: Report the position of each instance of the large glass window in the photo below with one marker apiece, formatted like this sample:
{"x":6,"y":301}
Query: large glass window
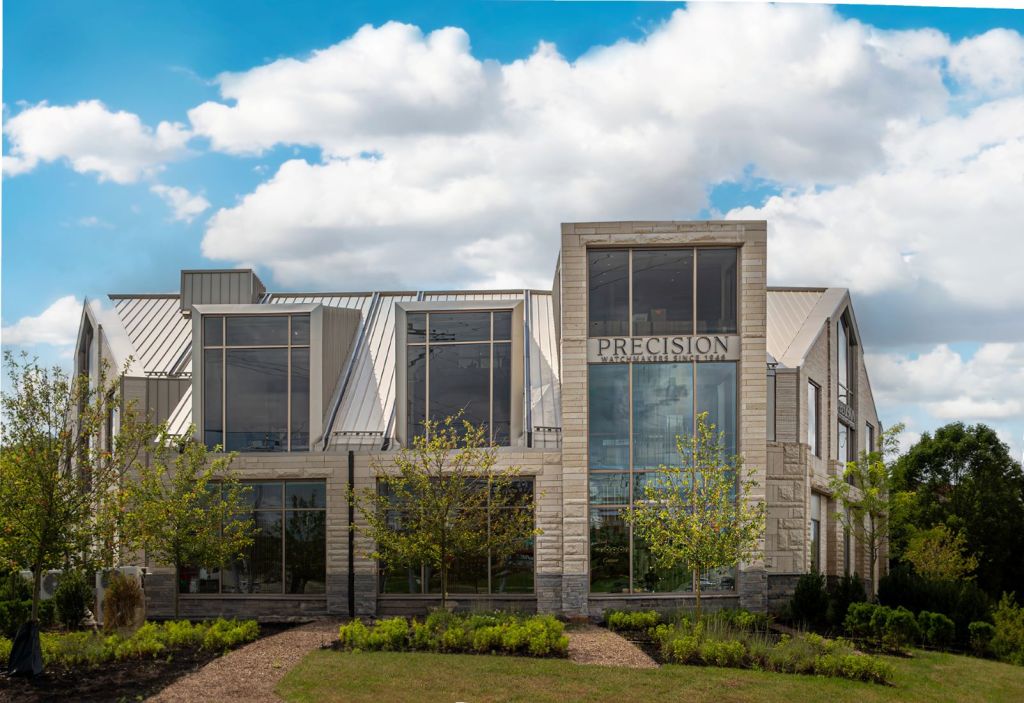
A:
{"x":469,"y":573}
{"x":844,"y":363}
{"x":608,"y":299}
{"x":460,"y":362}
{"x":636,"y":413}
{"x":813,"y":412}
{"x":289,"y":551}
{"x":815,"y":545}
{"x":649,"y":292}
{"x":256,"y":382}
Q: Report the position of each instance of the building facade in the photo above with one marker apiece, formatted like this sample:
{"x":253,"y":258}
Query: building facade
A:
{"x":584,"y":387}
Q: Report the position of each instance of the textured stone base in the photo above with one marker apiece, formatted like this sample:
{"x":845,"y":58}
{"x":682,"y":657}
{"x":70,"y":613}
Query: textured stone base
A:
{"x":575,"y":592}
{"x":780,"y":591}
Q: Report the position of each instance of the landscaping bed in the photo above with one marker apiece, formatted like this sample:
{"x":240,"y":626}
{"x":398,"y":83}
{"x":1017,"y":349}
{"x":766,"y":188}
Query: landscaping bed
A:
{"x":83,"y":666}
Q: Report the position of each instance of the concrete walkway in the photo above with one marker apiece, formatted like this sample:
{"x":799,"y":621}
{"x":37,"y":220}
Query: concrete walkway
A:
{"x":250,"y":673}
{"x":589,"y":644}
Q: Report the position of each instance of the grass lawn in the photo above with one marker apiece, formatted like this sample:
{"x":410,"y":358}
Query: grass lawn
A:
{"x":394,"y":676}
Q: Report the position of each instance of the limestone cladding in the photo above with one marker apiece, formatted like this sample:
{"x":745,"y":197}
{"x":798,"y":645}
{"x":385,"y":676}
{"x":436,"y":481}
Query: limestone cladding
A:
{"x":751,"y":238}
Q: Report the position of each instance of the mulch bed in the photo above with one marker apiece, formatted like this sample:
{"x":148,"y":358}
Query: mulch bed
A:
{"x":127,"y":680}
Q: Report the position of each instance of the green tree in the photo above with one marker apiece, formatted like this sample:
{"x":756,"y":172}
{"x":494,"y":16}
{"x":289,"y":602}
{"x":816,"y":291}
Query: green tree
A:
{"x":60,"y":477}
{"x":937,"y":553}
{"x":701,"y":515}
{"x":864,"y":491}
{"x":186,"y":507}
{"x":444,"y":498}
{"x":963,"y":476}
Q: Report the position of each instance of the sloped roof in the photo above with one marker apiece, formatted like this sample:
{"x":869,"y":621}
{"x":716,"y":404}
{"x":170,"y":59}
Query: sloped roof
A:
{"x":362,"y":409}
{"x":796,"y":317}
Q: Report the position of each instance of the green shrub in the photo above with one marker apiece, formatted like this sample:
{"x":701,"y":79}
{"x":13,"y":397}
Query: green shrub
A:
{"x":963,"y":602}
{"x":858,"y":620}
{"x":224,"y":634}
{"x":5,"y":650}
{"x":722,"y":653}
{"x":72,"y":599}
{"x":420,"y":636}
{"x":841,"y":594}
{"x":389,"y":635}
{"x":14,"y":586}
{"x":981,"y":637}
{"x":12,"y":614}
{"x":900,"y":630}
{"x":1008,"y":641}
{"x":353,"y":635}
{"x":122,"y":598}
{"x":858,"y":667}
{"x":809,"y":605}
{"x":936,"y":629}
{"x":623,"y":620}
{"x":741,"y":619}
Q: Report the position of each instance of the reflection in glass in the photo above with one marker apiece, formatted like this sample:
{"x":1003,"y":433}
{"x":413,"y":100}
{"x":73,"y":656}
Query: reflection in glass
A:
{"x":417,"y":390}
{"x":608,"y":416}
{"x":304,"y":494}
{"x":716,"y":395}
{"x":723,"y":579}
{"x":502,"y":394}
{"x":716,"y":291}
{"x":608,"y":299}
{"x":650,"y":579}
{"x":502,"y":325}
{"x":213,"y":330}
{"x":460,"y":382}
{"x":460,"y":326}
{"x":609,"y":488}
{"x":300,"y":400}
{"x":213,"y":393}
{"x":415,"y":327}
{"x":305,"y":551}
{"x":609,"y":551}
{"x":259,"y":571}
{"x":514,"y":574}
{"x":662,"y":291}
{"x":662,"y":410}
{"x":255,"y":393}
{"x":256,"y":330}
{"x":300,"y":329}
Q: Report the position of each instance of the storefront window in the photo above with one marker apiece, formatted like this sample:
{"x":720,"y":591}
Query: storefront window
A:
{"x":662,"y":291}
{"x":608,"y":298}
{"x":470,"y":573}
{"x":289,"y":551}
{"x":716,"y":291}
{"x":256,"y":382}
{"x":467,"y":357}
{"x":813,"y":412}
{"x":661,"y":399}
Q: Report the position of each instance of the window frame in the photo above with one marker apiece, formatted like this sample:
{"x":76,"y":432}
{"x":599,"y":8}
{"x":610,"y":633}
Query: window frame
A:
{"x":814,"y":403}
{"x":695,"y":250}
{"x":283,"y":511}
{"x":426,"y":593}
{"x":633,"y":474}
{"x":223,"y":347}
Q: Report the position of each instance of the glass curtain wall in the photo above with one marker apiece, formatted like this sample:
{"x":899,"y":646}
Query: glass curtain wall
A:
{"x":460,"y":362}
{"x":289,"y":552}
{"x":256,"y":382}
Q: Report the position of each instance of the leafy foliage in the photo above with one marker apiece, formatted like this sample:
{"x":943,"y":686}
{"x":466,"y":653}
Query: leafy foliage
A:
{"x":963,"y":477}
{"x":700,"y":515}
{"x":76,"y":650}
{"x":809,"y":605}
{"x":938,"y":554}
{"x":444,"y":498}
{"x":502,"y":633}
{"x":59,"y":498}
{"x":962,"y":601}
{"x":184,"y":507}
{"x":715,"y":643}
{"x":72,"y":598}
{"x":635,"y":620}
{"x":1008,"y":641}
{"x":864,"y":490}
{"x":937,"y":630}
{"x":981,"y":637}
{"x":883,"y":628}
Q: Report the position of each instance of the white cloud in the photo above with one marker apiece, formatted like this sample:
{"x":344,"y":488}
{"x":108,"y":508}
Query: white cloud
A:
{"x":57,"y":325}
{"x":987,"y":386}
{"x":427,"y":149}
{"x":184,"y":205}
{"x":115,"y":146}
{"x":939,"y":212}
{"x":991,"y":63}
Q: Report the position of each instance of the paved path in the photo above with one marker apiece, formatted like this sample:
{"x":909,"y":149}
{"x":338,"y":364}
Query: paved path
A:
{"x":589,"y":644}
{"x":250,"y":673}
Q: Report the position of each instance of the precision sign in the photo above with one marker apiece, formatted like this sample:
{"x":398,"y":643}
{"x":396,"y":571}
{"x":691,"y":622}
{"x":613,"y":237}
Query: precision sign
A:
{"x":713,"y":347}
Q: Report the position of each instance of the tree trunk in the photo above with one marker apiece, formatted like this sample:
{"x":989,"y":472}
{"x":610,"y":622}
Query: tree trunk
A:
{"x":698,"y":597}
{"x":37,"y":587}
{"x":444,"y":585}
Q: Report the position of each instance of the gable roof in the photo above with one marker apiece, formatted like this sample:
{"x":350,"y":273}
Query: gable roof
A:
{"x":796,"y":317}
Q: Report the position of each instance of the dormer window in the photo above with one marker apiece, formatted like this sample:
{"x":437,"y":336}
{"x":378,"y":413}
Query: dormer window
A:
{"x":256,"y":382}
{"x":460,"y":361}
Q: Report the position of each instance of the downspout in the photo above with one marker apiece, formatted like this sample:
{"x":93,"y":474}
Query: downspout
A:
{"x":351,"y":535}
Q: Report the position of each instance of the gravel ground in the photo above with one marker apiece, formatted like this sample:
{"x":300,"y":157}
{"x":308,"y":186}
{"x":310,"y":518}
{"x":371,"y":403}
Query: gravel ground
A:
{"x":595,"y":645}
{"x":251,"y":672}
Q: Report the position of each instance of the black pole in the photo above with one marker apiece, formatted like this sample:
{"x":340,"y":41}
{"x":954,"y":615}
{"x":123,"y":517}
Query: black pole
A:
{"x":351,"y":535}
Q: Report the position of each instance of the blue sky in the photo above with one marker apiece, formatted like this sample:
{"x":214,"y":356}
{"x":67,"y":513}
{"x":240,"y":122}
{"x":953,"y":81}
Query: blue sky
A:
{"x":531,"y":113}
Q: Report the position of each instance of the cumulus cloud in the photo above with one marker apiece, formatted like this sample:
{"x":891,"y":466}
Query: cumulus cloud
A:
{"x":185,"y":206}
{"x":991,"y":63}
{"x":987,"y":386}
{"x":419,"y":163}
{"x":115,"y":146}
{"x":57,"y":325}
